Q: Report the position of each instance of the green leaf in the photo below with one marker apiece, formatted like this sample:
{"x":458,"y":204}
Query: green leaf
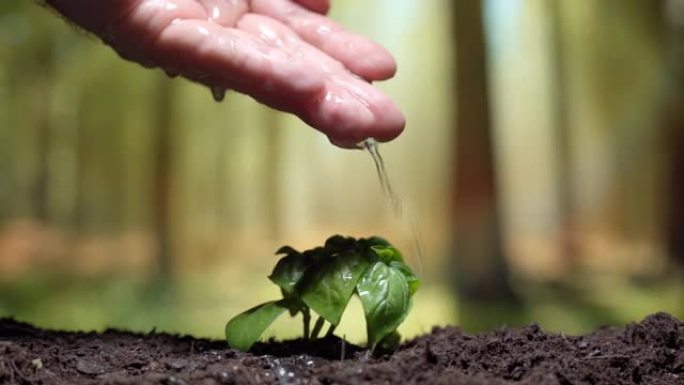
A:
{"x":246,"y":328}
{"x":287,"y":250}
{"x":293,"y":303}
{"x":387,"y":254}
{"x":316,"y":254}
{"x":376,"y":241}
{"x":338,"y":243}
{"x":329,"y":286}
{"x":288,"y":271}
{"x":385,"y":297}
{"x":391,"y":342}
{"x":411,"y":279}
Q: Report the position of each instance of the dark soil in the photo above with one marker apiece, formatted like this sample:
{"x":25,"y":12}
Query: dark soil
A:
{"x":649,"y":352}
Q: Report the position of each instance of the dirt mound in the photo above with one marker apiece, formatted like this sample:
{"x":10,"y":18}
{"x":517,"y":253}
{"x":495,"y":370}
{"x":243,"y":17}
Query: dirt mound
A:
{"x":649,"y":352}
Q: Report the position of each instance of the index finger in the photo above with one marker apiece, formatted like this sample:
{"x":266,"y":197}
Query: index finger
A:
{"x":359,"y":54}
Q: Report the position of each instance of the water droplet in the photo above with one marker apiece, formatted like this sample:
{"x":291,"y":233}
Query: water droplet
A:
{"x":219,"y":93}
{"x":215,"y":13}
{"x":203,"y":30}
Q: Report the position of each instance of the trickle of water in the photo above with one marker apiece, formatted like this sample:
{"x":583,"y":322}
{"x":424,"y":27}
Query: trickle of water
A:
{"x":394,"y":199}
{"x":219,"y":93}
{"x":417,"y":243}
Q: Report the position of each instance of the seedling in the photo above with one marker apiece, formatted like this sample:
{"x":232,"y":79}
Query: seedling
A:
{"x":323,"y":280}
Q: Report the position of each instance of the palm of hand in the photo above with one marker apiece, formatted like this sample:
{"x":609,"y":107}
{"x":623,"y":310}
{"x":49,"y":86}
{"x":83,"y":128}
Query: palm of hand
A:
{"x":279,"y":52}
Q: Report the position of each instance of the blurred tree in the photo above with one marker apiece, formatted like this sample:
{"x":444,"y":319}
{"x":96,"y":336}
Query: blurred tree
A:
{"x":481,"y":272}
{"x":273,"y":180}
{"x":673,"y":120}
{"x":162,"y":186}
{"x":621,"y":54}
{"x":39,"y":191}
{"x":569,"y":246}
{"x":29,"y":73}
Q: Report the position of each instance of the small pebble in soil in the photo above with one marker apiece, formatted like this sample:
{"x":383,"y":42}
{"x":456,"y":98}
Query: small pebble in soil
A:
{"x":37,"y":363}
{"x":90,"y":367}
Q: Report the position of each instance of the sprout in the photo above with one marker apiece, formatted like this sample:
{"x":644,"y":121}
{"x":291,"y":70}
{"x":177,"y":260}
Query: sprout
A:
{"x":324,"y":279}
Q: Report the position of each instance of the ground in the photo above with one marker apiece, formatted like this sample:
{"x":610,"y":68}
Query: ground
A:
{"x":648,"y":352}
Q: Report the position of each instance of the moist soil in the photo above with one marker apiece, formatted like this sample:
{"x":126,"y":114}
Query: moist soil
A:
{"x":648,"y":352}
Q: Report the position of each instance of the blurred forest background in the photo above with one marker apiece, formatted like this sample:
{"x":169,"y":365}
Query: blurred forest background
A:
{"x":542,"y":166}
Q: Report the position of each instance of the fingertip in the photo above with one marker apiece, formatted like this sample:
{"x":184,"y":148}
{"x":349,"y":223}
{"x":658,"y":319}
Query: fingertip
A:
{"x":318,"y":6}
{"x":378,"y":64}
{"x":389,"y":124}
{"x":349,"y":110}
{"x":386,"y":65}
{"x":360,"y":55}
{"x":383,"y":130}
{"x":347,"y":145}
{"x":347,"y":123}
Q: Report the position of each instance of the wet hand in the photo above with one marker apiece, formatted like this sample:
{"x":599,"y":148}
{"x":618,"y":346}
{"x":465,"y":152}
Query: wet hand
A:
{"x":283,"y":53}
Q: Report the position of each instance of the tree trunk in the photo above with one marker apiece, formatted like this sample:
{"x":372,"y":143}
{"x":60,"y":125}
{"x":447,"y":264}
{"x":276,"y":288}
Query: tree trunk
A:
{"x":481,"y":272}
{"x":674,"y":136}
{"x":568,"y":242}
{"x":161,"y":193}
{"x":273,"y":181}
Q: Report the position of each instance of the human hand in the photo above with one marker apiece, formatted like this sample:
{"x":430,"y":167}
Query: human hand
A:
{"x":283,"y":53}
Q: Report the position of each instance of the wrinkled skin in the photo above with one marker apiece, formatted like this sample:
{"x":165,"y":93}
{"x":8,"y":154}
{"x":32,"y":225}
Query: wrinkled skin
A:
{"x":283,"y":53}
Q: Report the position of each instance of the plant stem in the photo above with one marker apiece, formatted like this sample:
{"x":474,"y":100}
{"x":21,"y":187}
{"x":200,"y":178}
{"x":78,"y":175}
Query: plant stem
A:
{"x":307,"y":322}
{"x":317,"y":327}
{"x":331,"y":330}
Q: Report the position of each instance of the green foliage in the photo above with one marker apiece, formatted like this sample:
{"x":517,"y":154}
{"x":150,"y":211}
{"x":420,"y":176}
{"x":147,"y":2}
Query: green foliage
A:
{"x":289,"y":270}
{"x":384,"y":295}
{"x":246,"y":328}
{"x":324,"y":279}
{"x":329,"y":287}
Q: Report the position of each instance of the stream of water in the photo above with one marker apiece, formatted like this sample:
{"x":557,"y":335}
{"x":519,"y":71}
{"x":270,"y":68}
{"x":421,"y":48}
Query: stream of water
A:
{"x":395,"y":201}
